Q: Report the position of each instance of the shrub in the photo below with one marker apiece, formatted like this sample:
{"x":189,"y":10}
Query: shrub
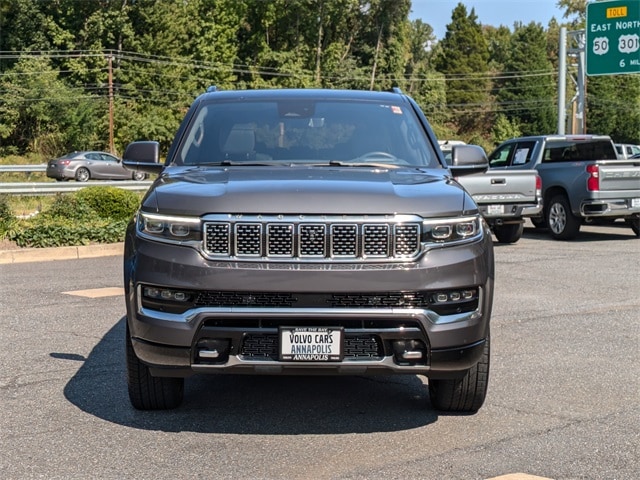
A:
{"x":97,"y":214}
{"x":109,"y":202}
{"x":6,"y":216}
{"x":50,"y":232}
{"x":69,"y":207}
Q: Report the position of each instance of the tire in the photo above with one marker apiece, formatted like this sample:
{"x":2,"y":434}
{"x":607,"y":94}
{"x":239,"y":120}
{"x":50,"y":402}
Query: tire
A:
{"x":508,"y":233}
{"x":634,"y":224}
{"x":82,"y":174}
{"x":562,"y":223}
{"x":466,"y":394}
{"x":147,"y":392}
{"x":138,"y":176}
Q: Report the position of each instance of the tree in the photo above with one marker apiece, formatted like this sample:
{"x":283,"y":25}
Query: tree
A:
{"x":526,"y":91}
{"x":613,"y":107}
{"x":41,"y":114}
{"x":464,"y":59}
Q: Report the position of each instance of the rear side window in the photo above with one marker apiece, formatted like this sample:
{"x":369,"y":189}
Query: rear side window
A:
{"x":517,"y":153}
{"x":575,"y":150}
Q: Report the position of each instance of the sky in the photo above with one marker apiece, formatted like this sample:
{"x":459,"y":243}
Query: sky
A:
{"x":437,"y":13}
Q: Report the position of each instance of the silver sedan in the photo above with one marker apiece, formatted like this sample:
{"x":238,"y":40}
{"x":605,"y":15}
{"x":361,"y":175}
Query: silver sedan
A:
{"x":86,"y":165}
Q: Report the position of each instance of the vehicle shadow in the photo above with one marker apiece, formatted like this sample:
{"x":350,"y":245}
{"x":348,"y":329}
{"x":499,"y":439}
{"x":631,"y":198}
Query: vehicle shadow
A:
{"x":246,"y":404}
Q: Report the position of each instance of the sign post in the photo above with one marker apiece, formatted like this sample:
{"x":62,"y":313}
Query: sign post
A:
{"x":613,"y":37}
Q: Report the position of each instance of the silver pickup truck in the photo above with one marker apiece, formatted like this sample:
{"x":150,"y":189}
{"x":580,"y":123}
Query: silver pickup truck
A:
{"x":583,"y":181}
{"x":504,"y":198}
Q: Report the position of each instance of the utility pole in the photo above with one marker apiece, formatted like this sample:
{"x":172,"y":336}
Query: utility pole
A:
{"x":111,"y":143}
{"x":562,"y":81}
{"x":577,"y":39}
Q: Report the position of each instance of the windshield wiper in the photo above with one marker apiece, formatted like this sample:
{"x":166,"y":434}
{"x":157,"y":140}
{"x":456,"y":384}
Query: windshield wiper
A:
{"x":351,"y":163}
{"x":235,"y":163}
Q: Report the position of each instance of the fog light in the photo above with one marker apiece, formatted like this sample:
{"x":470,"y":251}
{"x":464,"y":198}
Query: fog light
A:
{"x":212,"y":350}
{"x":408,"y":352}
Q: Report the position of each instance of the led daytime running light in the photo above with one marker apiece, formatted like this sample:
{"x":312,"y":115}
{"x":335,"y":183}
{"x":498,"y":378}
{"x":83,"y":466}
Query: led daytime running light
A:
{"x":170,"y":229}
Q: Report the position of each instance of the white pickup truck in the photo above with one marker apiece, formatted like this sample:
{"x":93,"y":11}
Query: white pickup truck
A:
{"x":504,"y":198}
{"x":583,"y":180}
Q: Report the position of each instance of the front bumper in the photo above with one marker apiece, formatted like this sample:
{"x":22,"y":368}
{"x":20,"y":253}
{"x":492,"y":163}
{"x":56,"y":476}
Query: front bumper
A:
{"x":245,"y":338}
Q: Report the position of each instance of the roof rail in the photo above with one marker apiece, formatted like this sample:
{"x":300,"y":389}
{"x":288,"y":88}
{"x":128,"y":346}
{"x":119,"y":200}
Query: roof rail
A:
{"x":396,"y":90}
{"x":213,"y":88}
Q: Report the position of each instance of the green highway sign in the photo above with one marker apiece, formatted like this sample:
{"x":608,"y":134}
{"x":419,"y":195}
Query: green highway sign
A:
{"x":613,"y":37}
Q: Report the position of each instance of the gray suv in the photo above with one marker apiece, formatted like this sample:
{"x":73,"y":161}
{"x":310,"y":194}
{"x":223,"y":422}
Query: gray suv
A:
{"x":307,"y":232}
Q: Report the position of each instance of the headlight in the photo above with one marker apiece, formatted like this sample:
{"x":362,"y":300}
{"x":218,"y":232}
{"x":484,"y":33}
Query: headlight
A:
{"x":170,"y":229}
{"x":451,"y":230}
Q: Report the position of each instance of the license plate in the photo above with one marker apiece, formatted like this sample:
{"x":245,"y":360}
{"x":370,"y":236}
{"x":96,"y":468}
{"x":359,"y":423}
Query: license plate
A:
{"x":635,"y":202}
{"x":311,"y":344}
{"x":495,"y":209}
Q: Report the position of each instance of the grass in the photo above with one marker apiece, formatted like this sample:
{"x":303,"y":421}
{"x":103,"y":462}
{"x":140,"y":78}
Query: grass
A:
{"x":27,"y":177}
{"x":25,"y":205}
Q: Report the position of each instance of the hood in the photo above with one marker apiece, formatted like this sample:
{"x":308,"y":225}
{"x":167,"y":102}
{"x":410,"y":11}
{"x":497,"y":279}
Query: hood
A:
{"x":306,"y":190}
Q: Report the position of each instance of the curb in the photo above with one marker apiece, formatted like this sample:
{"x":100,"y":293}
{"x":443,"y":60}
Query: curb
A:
{"x":25,"y":255}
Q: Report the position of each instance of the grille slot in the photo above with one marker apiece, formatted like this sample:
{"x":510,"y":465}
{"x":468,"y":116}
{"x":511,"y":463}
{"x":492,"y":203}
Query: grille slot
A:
{"x":416,"y":299}
{"x":285,"y":238}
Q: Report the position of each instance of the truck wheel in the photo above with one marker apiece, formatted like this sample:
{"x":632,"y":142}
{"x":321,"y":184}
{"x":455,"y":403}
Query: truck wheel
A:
{"x":147,"y":392}
{"x":466,"y":394}
{"x":509,"y":233}
{"x":562,"y":223}
{"x":634,"y":223}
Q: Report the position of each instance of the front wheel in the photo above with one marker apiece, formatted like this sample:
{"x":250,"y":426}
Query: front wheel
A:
{"x":139,"y":176}
{"x":466,"y":394}
{"x":562,"y":223}
{"x":508,"y":233}
{"x":147,"y":392}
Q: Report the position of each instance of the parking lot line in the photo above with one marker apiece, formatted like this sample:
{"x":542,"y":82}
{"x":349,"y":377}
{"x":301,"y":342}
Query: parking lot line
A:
{"x":97,"y":292}
{"x":518,"y":476}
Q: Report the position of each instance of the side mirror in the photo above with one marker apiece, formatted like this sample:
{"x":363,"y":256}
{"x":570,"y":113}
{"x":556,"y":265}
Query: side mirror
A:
{"x":468,"y":159}
{"x":143,"y":156}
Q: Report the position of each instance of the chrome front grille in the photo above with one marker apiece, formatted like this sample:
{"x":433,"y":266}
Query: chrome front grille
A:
{"x":282,"y":238}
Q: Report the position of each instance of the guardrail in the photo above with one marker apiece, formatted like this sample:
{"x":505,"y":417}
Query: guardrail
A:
{"x":24,"y":168}
{"x":48,"y":188}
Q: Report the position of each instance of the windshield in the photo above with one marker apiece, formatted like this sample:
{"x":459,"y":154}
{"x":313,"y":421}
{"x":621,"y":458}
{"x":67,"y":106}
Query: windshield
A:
{"x":305,"y":132}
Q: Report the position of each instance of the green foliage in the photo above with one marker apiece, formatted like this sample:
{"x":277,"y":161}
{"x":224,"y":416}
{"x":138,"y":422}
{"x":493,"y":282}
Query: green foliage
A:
{"x":42,"y":231}
{"x":96,"y":214}
{"x":613,"y":105}
{"x":504,"y":129}
{"x":6,"y":216}
{"x":464,"y":59}
{"x":157,"y":56}
{"x":69,"y":208}
{"x":109,"y":202}
{"x":528,"y":100}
